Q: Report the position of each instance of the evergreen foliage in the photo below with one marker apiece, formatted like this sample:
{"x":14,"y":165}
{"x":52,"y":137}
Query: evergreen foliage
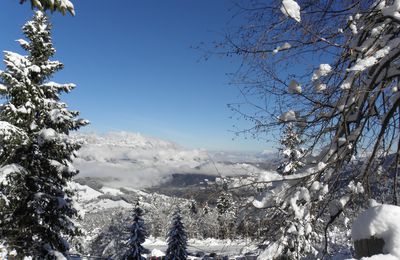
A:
{"x":177,"y":239}
{"x":206,"y":208}
{"x":224,"y":202}
{"x":226,"y":215}
{"x":291,"y":150}
{"x":193,"y":207}
{"x":138,"y":236}
{"x":37,"y":161}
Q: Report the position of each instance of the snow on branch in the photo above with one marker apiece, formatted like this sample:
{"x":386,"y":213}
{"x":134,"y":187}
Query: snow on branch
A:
{"x":291,"y":9}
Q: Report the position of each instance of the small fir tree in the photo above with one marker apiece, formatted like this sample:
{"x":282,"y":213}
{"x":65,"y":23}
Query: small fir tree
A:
{"x":193,"y":207}
{"x":226,"y":215}
{"x":290,"y":149}
{"x":177,"y":239}
{"x":37,"y":165}
{"x":138,"y":236}
{"x":206,"y":208}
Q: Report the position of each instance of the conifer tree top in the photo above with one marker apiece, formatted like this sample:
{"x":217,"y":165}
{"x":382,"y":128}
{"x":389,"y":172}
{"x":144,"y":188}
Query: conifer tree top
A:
{"x":177,"y":239}
{"x":137,"y":237}
{"x":37,"y":151}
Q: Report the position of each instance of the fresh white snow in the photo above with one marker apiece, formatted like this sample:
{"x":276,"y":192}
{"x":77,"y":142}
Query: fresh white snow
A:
{"x":392,"y":10}
{"x":381,"y":221}
{"x":294,"y":87}
{"x":320,"y":87}
{"x":323,"y":70}
{"x":46,"y":135}
{"x":291,"y":9}
{"x":8,"y":169}
{"x":225,"y":247}
{"x":283,"y":47}
{"x":288,"y":116}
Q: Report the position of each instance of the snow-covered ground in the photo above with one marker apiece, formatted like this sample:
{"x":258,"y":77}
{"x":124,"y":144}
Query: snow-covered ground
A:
{"x":208,"y":246}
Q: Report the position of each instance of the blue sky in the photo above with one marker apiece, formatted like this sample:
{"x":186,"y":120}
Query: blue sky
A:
{"x":135,"y":70}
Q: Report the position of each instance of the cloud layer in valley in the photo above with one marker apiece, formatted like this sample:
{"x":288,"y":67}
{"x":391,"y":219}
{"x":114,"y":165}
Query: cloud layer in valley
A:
{"x":134,"y":160}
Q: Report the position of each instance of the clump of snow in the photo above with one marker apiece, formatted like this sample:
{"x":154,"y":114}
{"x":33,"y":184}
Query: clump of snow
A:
{"x":268,"y":176}
{"x":157,"y":253}
{"x":392,"y":10}
{"x":285,"y":46}
{"x":67,"y":5}
{"x":22,"y":42}
{"x":291,"y":9}
{"x":369,"y":61}
{"x":320,"y":87}
{"x":46,"y":135}
{"x":9,"y":132}
{"x":294,"y":87}
{"x":316,"y":185}
{"x":288,"y":116}
{"x":272,"y":196}
{"x":381,"y":221}
{"x":353,"y":25}
{"x":8,"y":169}
{"x":299,"y":210}
{"x":5,"y":253}
{"x":347,"y":83}
{"x":62,"y":5}
{"x":323,"y":70}
{"x":356,"y":188}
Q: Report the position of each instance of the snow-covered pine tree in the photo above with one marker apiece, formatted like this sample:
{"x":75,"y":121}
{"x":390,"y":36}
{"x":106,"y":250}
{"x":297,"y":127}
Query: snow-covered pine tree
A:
{"x":137,"y":237}
{"x":226,"y":215}
{"x":206,"y":208}
{"x":177,"y":239}
{"x":207,"y":225}
{"x":290,"y":149}
{"x":38,"y":218}
{"x":193,"y":206}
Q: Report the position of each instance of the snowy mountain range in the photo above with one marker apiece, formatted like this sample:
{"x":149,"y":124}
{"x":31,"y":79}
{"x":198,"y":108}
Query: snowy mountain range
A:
{"x":123,"y":159}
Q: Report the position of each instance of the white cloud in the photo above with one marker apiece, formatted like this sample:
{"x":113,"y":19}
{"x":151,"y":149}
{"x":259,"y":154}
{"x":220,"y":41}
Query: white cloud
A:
{"x":139,"y":161}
